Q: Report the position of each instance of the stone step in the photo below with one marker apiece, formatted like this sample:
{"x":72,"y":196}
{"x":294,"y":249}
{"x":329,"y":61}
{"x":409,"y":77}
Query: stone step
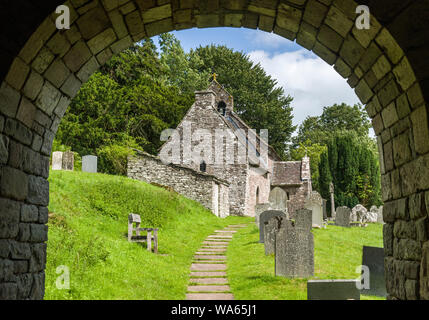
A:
{"x":209,"y":281}
{"x":213,"y":288}
{"x":209,"y":257}
{"x":208,"y":274}
{"x":237,"y":226}
{"x":219,"y":237}
{"x":208,"y":267}
{"x":212,"y":253}
{"x":215,"y":243}
{"x":226,"y":231}
{"x":209,"y":261}
{"x":212,"y":249}
{"x":209,"y":296}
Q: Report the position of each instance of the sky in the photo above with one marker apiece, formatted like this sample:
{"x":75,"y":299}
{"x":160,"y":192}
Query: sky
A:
{"x":308,"y":79}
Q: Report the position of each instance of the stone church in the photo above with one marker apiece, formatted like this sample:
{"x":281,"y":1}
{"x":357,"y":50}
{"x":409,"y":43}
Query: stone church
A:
{"x":213,"y":157}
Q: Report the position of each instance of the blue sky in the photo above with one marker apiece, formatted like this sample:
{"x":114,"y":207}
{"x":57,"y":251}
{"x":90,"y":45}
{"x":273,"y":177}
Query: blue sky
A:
{"x":308,"y":79}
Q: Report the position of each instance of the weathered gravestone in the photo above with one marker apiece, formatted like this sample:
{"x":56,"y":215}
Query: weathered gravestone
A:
{"x":373,"y":258}
{"x":325,"y":212}
{"x":304,"y":219}
{"x":57,"y":160}
{"x":89,"y":164}
{"x":378,"y":213}
{"x":294,"y":249}
{"x":270,"y":229}
{"x":259,"y":208}
{"x":264,"y":217}
{"x":342,"y":217}
{"x":315,"y":204}
{"x":278,"y":199}
{"x":68,"y":160}
{"x":333,"y":289}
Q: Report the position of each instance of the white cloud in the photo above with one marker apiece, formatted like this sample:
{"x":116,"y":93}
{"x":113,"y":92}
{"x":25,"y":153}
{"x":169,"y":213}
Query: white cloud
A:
{"x":308,"y":79}
{"x":266,"y":39}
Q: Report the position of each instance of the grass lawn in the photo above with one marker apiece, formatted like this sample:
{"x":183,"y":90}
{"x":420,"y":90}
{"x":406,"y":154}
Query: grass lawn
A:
{"x":338,"y":252}
{"x":87,"y":233}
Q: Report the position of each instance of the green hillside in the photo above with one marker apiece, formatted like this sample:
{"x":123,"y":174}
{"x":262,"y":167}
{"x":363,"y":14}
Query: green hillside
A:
{"x":87,"y":233}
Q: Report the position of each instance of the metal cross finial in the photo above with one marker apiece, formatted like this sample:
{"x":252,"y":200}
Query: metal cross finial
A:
{"x":214,"y":77}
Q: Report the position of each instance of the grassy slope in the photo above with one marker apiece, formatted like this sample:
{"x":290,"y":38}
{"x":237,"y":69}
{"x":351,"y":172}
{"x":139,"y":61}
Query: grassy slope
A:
{"x":87,"y":233}
{"x":338,"y":252}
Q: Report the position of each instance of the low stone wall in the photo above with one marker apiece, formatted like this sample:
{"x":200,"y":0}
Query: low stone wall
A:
{"x":211,"y":192}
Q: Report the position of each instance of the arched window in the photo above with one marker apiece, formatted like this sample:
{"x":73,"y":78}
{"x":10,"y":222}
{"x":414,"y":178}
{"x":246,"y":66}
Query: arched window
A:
{"x":221,"y":108}
{"x":203,"y":166}
{"x":257,"y":195}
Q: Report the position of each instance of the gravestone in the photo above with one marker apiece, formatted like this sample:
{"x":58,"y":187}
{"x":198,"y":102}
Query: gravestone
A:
{"x":270,"y":229}
{"x":57,"y":160}
{"x":380,"y":215}
{"x":304,"y":219}
{"x":259,"y":208}
{"x":294,"y":249}
{"x":325,"y":213}
{"x":68,"y":160}
{"x":264,"y":217}
{"x":333,"y":289}
{"x":315,"y":204}
{"x":89,"y":164}
{"x":342,"y":218}
{"x":373,"y":258}
{"x":278,"y":199}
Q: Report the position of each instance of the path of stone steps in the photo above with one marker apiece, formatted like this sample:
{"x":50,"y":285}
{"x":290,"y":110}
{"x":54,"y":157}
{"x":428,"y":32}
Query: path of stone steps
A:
{"x":208,"y":277}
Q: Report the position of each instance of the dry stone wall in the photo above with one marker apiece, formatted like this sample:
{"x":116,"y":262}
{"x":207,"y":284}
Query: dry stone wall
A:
{"x":193,"y":185}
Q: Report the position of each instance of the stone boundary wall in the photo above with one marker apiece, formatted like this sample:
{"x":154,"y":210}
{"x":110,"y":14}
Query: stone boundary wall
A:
{"x":187,"y":182}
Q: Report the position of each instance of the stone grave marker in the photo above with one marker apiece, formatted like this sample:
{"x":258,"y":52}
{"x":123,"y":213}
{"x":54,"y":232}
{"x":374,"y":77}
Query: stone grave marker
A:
{"x":264,"y":217}
{"x":294,"y":249}
{"x":270,"y":230}
{"x":68,"y":160}
{"x":373,"y":258}
{"x":57,"y":160}
{"x":325,"y":213}
{"x":315,"y":204}
{"x":304,"y":219}
{"x":89,"y":164}
{"x":342,"y":218}
{"x":278,"y":199}
{"x":333,"y":289}
{"x":259,"y":208}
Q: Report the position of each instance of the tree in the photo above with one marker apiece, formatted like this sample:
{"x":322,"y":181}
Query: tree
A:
{"x":353,"y":168}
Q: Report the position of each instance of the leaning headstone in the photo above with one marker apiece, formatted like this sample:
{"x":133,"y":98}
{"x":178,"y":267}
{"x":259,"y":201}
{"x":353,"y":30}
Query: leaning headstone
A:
{"x":264,"y":217}
{"x":315,"y":204}
{"x":57,"y":160}
{"x":304,"y":219}
{"x":333,"y":289}
{"x":325,"y":213}
{"x":259,"y":208}
{"x":342,"y":218}
{"x":294,"y":249}
{"x":278,"y":199}
{"x":271,"y":227}
{"x":373,"y":258}
{"x":68,"y":160}
{"x":89,"y":164}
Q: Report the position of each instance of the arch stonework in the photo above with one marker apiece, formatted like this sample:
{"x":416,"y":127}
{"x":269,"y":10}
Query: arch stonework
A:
{"x":43,"y":68}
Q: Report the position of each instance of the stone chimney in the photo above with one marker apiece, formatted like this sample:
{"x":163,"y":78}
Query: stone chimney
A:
{"x":306,"y":174}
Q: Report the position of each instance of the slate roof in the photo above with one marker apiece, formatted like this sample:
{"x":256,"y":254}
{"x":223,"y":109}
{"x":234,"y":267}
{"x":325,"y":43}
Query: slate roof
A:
{"x":286,"y":173}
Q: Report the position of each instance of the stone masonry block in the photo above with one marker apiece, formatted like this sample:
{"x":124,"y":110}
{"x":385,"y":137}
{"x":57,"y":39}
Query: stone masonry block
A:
{"x":18,"y":73}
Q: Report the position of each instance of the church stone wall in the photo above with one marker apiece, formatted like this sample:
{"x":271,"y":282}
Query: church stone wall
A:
{"x":257,"y":180}
{"x":193,"y":185}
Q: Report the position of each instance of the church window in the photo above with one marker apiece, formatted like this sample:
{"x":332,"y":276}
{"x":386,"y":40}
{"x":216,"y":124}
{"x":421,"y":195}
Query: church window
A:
{"x":221,"y":108}
{"x":203,"y":166}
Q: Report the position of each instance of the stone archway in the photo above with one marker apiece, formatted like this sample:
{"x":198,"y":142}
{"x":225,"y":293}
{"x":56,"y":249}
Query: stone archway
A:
{"x":42,"y":69}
